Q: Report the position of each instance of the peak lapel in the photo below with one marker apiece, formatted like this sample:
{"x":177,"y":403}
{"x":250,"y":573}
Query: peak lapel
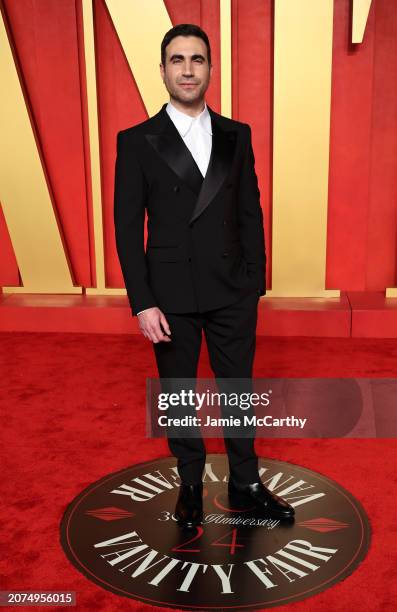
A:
{"x":170,"y":146}
{"x":222,"y":152}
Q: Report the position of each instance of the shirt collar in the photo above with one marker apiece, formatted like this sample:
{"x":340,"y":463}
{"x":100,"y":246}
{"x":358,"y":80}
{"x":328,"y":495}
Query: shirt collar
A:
{"x":184,"y":122}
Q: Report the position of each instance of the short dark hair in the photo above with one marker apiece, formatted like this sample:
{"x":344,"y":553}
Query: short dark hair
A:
{"x":184,"y":29}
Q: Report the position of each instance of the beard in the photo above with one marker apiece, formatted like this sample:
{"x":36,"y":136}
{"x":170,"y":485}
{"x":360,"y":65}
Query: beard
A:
{"x":187,"y":96}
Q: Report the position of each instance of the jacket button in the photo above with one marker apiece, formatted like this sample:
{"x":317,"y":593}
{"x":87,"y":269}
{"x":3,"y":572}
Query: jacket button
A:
{"x":225,"y":223}
{"x":176,"y":188}
{"x":225,"y":254}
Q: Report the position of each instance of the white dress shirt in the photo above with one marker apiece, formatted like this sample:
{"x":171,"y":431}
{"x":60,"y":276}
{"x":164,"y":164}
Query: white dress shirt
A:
{"x":196,"y":133}
{"x":197,"y":136}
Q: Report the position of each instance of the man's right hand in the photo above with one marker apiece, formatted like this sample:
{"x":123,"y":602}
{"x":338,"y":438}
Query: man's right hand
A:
{"x":151,"y":321}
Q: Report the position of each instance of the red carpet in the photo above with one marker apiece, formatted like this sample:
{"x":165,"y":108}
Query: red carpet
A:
{"x":74,"y":410}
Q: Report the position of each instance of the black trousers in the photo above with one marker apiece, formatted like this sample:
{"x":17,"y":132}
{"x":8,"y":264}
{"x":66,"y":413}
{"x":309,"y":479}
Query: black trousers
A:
{"x":230,"y":334}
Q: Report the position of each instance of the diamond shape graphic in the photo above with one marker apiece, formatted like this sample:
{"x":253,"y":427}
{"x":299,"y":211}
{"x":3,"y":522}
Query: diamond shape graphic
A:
{"x":323,"y":524}
{"x":110,"y":513}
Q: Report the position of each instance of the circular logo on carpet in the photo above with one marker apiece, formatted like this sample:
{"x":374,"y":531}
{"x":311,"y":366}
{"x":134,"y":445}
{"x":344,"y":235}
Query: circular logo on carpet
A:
{"x":121,"y":533}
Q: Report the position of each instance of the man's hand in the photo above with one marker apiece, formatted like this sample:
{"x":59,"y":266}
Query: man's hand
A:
{"x":152,"y":323}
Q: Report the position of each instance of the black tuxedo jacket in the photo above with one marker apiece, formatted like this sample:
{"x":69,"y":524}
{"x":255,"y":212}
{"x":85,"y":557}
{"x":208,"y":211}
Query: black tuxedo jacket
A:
{"x":205,"y":237}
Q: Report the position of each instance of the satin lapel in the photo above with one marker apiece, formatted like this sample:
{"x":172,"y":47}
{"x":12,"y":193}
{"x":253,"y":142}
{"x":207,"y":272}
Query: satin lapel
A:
{"x":170,"y":146}
{"x":222,"y":152}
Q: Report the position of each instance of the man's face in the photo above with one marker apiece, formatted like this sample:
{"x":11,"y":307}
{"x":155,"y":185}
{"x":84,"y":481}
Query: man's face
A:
{"x":186,"y":73}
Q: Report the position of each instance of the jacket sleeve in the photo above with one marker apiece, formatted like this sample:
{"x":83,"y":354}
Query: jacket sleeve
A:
{"x":252,"y":234}
{"x":130,"y":193}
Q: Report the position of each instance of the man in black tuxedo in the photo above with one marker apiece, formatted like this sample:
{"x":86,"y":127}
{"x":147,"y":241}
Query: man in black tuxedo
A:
{"x":204,"y":268}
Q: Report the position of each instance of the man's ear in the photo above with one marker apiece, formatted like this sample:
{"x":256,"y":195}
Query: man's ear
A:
{"x":162,"y":71}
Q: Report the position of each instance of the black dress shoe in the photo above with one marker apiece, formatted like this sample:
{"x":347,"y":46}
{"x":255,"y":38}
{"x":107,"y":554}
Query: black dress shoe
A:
{"x":189,"y":506}
{"x":269,"y":503}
